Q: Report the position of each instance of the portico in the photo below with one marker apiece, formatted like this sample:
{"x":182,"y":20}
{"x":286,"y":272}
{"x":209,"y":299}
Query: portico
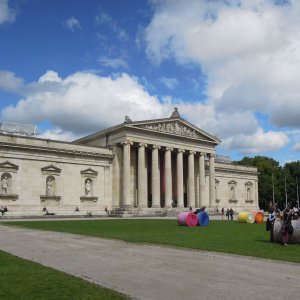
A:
{"x":164,"y":176}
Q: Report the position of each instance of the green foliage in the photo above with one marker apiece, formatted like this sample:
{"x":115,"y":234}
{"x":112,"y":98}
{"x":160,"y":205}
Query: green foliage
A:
{"x":270,"y":172}
{"x":23,"y":279}
{"x":220,"y":236}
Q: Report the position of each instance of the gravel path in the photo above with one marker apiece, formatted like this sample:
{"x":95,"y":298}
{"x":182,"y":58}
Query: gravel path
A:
{"x":155,"y":272}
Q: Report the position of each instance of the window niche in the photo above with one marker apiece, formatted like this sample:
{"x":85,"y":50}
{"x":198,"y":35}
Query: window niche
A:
{"x":232,"y":191}
{"x":50,"y":174}
{"x":7,"y":175}
{"x":249,"y":192}
{"x":88,"y":181}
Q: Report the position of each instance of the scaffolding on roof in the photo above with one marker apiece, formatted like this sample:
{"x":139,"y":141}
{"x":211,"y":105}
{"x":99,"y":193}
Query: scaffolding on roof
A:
{"x":16,"y":128}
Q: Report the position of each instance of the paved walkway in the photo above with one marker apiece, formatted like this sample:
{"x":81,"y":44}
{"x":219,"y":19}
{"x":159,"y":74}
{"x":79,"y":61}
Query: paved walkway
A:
{"x":155,"y":272}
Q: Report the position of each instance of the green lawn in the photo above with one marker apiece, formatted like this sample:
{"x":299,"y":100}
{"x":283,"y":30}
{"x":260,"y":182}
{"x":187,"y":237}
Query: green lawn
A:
{"x":221,"y":236}
{"x":22,"y":279}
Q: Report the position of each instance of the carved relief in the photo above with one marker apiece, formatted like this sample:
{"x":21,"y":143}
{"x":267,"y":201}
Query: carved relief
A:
{"x":172,"y":127}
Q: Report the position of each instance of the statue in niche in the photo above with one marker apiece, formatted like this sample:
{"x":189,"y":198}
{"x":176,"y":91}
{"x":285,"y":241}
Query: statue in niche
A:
{"x":4,"y":185}
{"x":50,"y":187}
{"x":88,"y":188}
{"x":248,"y":194}
{"x":232,"y":195}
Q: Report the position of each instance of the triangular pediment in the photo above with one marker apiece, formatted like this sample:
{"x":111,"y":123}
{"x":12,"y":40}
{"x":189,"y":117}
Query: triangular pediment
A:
{"x":51,"y":168}
{"x":89,"y":171}
{"x":178,"y":127}
{"x":232,"y":182}
{"x":8,"y":165}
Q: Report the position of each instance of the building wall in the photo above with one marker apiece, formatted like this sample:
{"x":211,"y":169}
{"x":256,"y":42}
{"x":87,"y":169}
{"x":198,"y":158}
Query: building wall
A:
{"x":35,"y":160}
{"x":30,"y":161}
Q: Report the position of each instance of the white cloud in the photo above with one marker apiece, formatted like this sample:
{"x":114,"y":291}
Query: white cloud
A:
{"x":83,"y":102}
{"x":50,"y":76}
{"x":72,"y":23}
{"x":86,"y":102}
{"x":170,"y":83}
{"x":9,"y":82}
{"x":114,"y":63}
{"x":296,"y":147}
{"x":258,"y":142}
{"x":58,"y":135}
{"x":7,"y":14}
{"x":249,"y":51}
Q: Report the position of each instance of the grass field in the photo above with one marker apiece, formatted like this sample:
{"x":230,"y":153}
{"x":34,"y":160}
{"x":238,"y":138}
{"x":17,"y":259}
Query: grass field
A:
{"x":23,"y":279}
{"x":221,"y":236}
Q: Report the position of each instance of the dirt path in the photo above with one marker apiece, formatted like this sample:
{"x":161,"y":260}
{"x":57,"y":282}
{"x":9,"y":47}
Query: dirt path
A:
{"x":154,"y":272}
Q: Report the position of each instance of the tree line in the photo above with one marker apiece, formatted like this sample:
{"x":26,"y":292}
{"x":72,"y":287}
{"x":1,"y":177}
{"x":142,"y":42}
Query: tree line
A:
{"x":282,"y":180}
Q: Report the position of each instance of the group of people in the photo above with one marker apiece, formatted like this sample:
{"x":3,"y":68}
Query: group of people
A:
{"x":229,"y":213}
{"x":3,"y":209}
{"x":287,"y":215}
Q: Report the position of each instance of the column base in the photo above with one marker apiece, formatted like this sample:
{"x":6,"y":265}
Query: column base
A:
{"x":155,"y":206}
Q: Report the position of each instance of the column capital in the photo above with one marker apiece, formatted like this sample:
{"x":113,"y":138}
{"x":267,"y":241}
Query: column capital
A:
{"x":180,"y":150}
{"x":212,"y":155}
{"x":191,"y":152}
{"x":169,"y":149}
{"x":126,"y":143}
{"x":142,"y":145}
{"x":155,"y":147}
{"x":202,"y":154}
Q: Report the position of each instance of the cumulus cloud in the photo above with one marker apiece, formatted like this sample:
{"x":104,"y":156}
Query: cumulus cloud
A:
{"x":83,"y":102}
{"x":58,"y":134}
{"x":9,"y":81}
{"x":7,"y":14}
{"x":249,"y":51}
{"x":258,"y":142}
{"x":72,"y":24}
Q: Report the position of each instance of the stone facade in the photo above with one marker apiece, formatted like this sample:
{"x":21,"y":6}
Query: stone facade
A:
{"x":142,"y":168}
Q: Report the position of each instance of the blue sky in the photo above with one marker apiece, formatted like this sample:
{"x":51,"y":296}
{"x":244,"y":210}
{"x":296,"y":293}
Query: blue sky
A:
{"x":231,"y":67}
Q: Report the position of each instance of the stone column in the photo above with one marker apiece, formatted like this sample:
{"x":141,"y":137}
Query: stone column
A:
{"x":179,"y":164}
{"x":202,"y":179}
{"x":142,"y":177}
{"x":168,"y":178}
{"x":212,"y":196}
{"x":155,"y":177}
{"x":191,"y":180}
{"x":126,"y":174}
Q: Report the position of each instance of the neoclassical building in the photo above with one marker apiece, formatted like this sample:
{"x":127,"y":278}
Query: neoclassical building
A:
{"x":134,"y":168}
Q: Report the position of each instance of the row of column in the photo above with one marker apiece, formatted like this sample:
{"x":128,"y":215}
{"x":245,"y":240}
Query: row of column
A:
{"x":142,"y":177}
